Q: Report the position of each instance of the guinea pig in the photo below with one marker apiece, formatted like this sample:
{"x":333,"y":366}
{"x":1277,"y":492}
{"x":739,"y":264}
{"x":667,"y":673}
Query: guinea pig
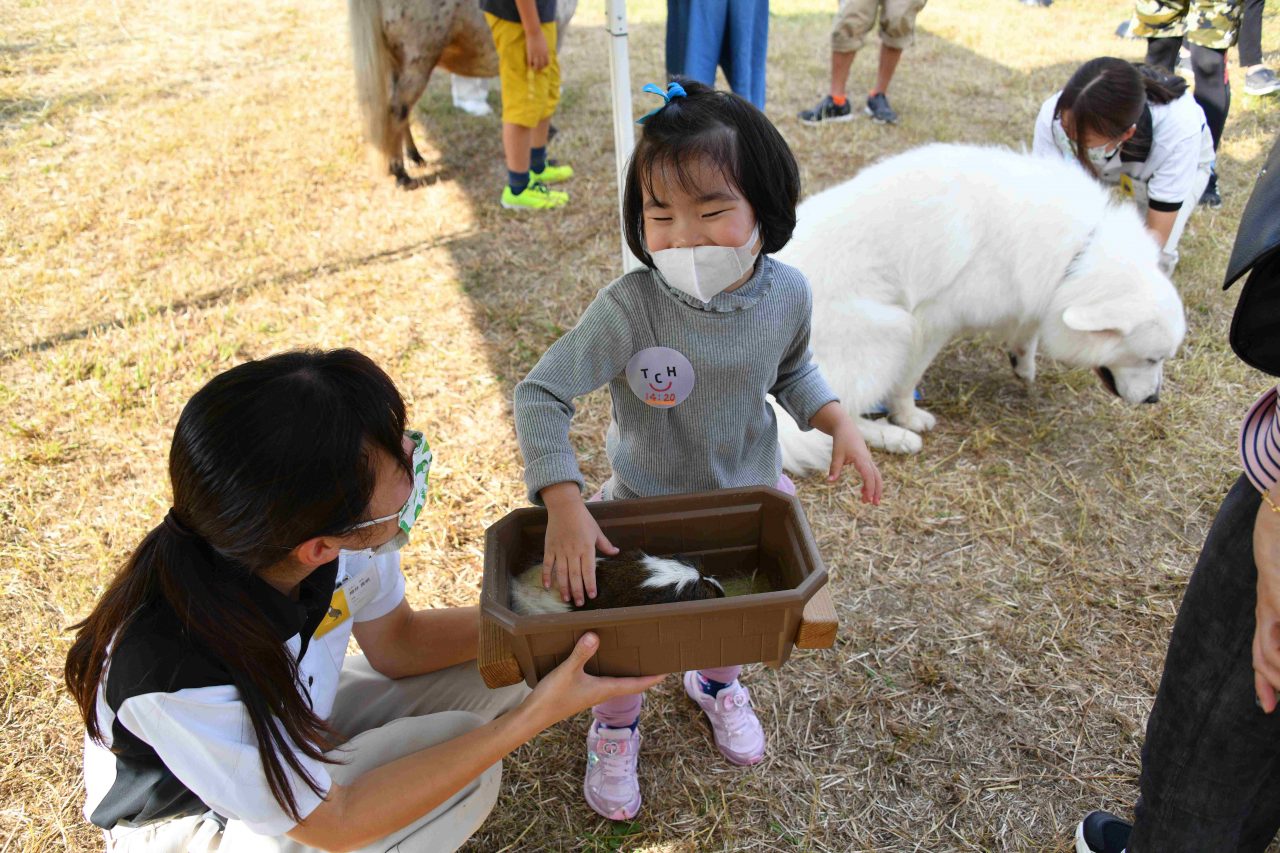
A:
{"x":630,"y":579}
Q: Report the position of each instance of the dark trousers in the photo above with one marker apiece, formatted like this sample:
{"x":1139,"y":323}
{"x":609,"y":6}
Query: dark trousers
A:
{"x":1211,"y":761}
{"x":1212,"y":91}
{"x":1250,"y":43}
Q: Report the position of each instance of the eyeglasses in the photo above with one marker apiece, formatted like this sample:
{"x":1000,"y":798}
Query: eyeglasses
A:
{"x":421,"y":463}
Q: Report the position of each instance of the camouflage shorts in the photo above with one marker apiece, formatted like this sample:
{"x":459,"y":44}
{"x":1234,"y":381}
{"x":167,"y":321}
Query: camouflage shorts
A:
{"x":1208,"y":23}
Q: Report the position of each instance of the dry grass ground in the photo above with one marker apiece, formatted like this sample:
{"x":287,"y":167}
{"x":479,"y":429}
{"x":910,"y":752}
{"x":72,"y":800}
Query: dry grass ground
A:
{"x":182,"y":187}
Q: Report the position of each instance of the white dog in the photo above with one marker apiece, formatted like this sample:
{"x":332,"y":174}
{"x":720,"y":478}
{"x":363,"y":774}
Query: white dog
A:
{"x":950,"y":239}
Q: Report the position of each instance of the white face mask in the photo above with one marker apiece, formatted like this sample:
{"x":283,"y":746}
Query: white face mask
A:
{"x":704,"y":271}
{"x":1098,"y":155}
{"x":408,"y":514}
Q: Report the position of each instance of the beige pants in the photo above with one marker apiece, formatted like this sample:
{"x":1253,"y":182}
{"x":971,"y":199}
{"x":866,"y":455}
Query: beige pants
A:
{"x":856,"y":17}
{"x":385,"y":719}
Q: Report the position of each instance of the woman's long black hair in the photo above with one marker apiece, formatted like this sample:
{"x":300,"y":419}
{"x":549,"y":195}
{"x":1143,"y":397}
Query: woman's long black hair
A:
{"x":729,"y":132}
{"x":1106,"y":96}
{"x":265,"y":456}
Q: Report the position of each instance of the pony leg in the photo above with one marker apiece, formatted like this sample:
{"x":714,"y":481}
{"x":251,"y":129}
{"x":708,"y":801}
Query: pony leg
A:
{"x":407,"y":87}
{"x":411,"y":150}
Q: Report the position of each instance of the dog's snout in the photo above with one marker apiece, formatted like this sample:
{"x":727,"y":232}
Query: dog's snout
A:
{"x":1154,"y":398}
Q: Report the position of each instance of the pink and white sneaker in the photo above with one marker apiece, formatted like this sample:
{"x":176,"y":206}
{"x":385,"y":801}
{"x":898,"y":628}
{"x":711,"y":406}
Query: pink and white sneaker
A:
{"x":737,"y":730}
{"x":611,"y":785}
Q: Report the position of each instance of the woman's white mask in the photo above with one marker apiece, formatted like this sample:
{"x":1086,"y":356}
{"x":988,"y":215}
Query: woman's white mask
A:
{"x":704,"y":271}
{"x":1098,"y":155}
{"x":408,"y":514}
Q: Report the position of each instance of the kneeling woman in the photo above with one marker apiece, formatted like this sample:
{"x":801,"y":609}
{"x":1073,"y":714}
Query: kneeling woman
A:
{"x":1138,"y":128}
{"x":221,"y":710}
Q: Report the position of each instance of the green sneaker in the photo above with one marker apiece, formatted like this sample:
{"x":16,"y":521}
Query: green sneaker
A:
{"x":536,"y":196}
{"x":553,"y":174}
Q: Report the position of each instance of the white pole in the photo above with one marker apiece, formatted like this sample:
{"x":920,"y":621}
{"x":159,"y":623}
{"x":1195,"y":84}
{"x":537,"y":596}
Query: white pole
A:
{"x":624,"y":140}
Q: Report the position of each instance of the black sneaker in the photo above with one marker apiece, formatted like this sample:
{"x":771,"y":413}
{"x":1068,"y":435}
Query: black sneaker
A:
{"x":880,"y":111}
{"x":1210,"y":197}
{"x":1101,"y":832}
{"x":1261,"y":81}
{"x":827,"y":110}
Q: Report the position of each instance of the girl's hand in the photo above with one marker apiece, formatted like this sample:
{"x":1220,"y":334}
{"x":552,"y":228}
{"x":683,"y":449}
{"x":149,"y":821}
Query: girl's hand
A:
{"x":1266,"y":637}
{"x":536,"y":53}
{"x":567,"y":689}
{"x":848,"y":447}
{"x":573,"y":536}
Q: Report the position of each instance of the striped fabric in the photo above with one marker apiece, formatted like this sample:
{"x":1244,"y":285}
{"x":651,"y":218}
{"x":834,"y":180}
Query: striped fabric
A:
{"x":1260,"y":443}
{"x":739,"y":347}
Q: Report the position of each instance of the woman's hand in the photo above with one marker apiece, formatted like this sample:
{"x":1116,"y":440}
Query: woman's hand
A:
{"x":1266,"y":636}
{"x":848,"y":448}
{"x":566,"y":690}
{"x":393,"y":795}
{"x":569,"y":556}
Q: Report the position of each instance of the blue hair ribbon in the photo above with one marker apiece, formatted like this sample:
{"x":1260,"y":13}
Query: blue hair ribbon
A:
{"x":674,"y":90}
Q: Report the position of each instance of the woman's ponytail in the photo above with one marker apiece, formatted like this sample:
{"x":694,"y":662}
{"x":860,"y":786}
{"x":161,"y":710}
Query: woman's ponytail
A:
{"x":1161,"y":86}
{"x":265,"y":456}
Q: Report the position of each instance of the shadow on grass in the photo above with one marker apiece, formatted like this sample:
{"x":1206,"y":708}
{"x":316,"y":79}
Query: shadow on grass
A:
{"x":232,"y":291}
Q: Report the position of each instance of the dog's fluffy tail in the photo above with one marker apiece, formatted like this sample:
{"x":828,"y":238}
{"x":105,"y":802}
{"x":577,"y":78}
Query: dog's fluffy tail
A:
{"x":372,"y":61}
{"x":802,"y":452}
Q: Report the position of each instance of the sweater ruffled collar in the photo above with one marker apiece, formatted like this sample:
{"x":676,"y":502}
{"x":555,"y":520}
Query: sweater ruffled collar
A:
{"x":742,"y":299}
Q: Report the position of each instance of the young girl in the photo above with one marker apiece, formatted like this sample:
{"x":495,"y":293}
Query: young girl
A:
{"x":220,"y":710}
{"x":689,"y":347}
{"x":1137,"y":128}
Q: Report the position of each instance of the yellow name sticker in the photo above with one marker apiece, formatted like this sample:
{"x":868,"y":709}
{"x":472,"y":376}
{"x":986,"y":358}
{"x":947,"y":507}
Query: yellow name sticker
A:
{"x":339,"y":611}
{"x":354,"y":594}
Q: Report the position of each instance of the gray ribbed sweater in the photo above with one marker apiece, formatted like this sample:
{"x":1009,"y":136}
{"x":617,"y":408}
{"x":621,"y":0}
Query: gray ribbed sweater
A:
{"x":741,"y":346}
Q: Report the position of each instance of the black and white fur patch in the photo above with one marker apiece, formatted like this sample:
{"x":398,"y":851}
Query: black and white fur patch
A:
{"x":630,"y":579}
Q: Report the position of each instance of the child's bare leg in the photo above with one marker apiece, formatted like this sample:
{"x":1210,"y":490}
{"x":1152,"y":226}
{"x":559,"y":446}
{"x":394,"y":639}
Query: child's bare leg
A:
{"x":539,"y":136}
{"x":889,"y":57}
{"x":516,"y":142}
{"x":841,"y":62}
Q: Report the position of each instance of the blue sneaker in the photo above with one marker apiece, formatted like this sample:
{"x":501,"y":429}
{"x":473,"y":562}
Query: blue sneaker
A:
{"x":879,"y":110}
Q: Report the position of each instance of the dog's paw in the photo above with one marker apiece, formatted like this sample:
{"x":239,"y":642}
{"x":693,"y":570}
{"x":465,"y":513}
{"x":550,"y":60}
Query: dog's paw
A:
{"x":1024,"y":366}
{"x":884,"y":436}
{"x":914,"y":419}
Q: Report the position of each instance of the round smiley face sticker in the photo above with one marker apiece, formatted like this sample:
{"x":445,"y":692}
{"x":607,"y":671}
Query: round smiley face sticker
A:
{"x":660,"y":376}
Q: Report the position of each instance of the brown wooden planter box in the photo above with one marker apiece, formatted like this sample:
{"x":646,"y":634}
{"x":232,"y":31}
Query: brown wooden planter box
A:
{"x":731,"y":530}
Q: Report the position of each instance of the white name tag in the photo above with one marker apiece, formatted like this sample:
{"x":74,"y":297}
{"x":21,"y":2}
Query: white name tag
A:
{"x":362,"y":588}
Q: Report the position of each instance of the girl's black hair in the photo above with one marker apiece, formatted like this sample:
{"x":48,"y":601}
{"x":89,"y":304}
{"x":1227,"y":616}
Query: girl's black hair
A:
{"x":728,"y":131}
{"x":265,"y":456}
{"x":1106,"y":96}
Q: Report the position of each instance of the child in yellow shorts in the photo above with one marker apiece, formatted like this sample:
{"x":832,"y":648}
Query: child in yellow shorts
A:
{"x":524,"y":33}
